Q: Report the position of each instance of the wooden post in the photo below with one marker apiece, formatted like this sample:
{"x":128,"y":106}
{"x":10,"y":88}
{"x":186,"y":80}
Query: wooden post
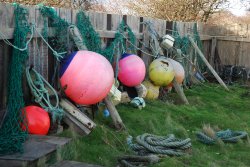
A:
{"x":75,"y":34}
{"x":207,"y":63}
{"x":114,"y":114}
{"x":180,"y":92}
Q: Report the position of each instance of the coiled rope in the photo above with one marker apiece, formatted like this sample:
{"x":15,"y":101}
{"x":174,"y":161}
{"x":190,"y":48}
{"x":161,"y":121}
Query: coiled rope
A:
{"x":152,"y":144}
{"x":227,"y":136}
{"x":42,"y":95}
{"x":138,"y":102}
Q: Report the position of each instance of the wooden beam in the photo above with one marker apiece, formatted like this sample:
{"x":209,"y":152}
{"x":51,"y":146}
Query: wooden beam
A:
{"x":180,"y":92}
{"x":8,"y":33}
{"x":205,"y":38}
{"x":234,"y":39}
{"x":207,"y":63}
{"x":226,"y":38}
{"x":114,"y":114}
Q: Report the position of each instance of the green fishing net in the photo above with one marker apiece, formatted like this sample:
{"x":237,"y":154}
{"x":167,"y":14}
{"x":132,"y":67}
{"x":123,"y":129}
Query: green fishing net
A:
{"x":188,"y":52}
{"x":12,"y":136}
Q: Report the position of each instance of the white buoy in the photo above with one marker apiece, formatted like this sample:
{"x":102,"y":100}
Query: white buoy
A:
{"x":167,"y":42}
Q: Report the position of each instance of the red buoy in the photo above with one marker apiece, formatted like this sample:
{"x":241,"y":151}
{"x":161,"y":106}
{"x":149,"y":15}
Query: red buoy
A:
{"x":38,"y":121}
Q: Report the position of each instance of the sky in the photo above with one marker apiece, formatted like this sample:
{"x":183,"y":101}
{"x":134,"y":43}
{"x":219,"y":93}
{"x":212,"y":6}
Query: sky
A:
{"x":237,"y":8}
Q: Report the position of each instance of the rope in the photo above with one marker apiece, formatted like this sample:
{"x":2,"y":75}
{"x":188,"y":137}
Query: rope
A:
{"x":138,"y":102}
{"x":57,"y":55}
{"x":42,"y":95}
{"x":152,"y":144}
{"x":227,"y":136}
{"x":16,"y":47}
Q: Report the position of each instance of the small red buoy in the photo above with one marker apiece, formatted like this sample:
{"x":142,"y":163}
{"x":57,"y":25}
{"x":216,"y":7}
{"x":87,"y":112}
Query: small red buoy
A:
{"x":132,"y":70}
{"x":38,"y":120}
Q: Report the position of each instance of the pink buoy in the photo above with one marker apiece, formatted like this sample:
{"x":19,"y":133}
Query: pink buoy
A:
{"x":132,"y":70}
{"x":179,"y":71}
{"x":87,"y":77}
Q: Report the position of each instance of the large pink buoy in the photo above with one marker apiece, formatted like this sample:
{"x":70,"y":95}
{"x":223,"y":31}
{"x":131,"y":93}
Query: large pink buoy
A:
{"x":132,"y":70}
{"x":38,"y":121}
{"x":179,"y":71}
{"x":87,"y":77}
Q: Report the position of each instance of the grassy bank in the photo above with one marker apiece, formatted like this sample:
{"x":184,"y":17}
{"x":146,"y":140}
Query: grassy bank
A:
{"x":209,"y":105}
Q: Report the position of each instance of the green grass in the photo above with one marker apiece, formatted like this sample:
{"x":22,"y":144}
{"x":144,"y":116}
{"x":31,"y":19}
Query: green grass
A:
{"x":209,"y":105}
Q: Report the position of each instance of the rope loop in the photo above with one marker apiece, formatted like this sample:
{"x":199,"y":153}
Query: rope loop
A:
{"x":168,"y":145}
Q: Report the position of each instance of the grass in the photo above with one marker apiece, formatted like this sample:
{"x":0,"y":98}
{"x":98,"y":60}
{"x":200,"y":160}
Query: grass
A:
{"x":210,"y":104}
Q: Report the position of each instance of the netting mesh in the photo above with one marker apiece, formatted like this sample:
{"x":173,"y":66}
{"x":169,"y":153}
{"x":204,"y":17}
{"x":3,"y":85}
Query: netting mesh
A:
{"x":187,"y":56}
{"x":91,"y":38}
{"x":11,"y":135}
{"x":93,"y":41}
{"x":191,"y":61}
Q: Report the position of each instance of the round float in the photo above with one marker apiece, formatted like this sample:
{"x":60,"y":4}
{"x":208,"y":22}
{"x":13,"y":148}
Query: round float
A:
{"x":178,"y":70}
{"x":86,"y":77}
{"x":132,"y":70}
{"x":38,"y":121}
{"x":161,"y":72}
{"x":152,"y":90}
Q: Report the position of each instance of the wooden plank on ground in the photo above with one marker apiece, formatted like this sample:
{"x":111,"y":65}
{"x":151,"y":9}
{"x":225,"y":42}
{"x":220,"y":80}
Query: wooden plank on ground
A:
{"x":35,"y":148}
{"x":73,"y":164}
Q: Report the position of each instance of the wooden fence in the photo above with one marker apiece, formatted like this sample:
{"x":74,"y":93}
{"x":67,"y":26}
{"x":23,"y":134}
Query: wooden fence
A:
{"x":230,"y":42}
{"x":232,"y":50}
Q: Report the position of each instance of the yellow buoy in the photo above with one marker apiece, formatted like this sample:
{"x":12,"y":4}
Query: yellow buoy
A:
{"x":153,"y":91}
{"x":161,"y":72}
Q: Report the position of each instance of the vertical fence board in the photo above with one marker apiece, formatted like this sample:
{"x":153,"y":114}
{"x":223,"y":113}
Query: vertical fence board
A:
{"x":146,"y":58}
{"x":115,"y":21}
{"x":65,"y":14}
{"x":42,"y":47}
{"x":6,"y":21}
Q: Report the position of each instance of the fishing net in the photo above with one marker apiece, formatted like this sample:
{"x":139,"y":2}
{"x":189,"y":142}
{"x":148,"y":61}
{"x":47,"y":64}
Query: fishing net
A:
{"x":91,"y":38}
{"x":185,"y":53}
{"x":12,"y":136}
{"x":189,"y":59}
